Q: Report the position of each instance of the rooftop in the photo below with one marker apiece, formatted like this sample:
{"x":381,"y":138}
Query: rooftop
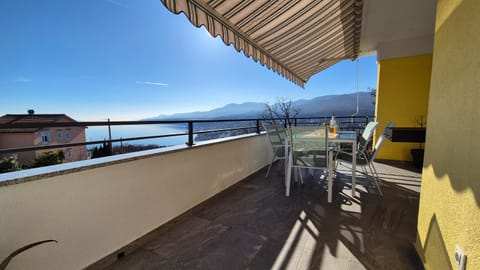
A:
{"x":30,"y":118}
{"x":252,"y":225}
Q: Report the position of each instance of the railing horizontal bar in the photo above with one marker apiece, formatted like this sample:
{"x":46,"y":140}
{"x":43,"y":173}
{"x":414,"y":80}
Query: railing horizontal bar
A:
{"x":223,"y":129}
{"x":148,"y":122}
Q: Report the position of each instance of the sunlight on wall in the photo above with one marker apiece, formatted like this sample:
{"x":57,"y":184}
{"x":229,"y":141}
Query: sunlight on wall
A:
{"x":449,"y":210}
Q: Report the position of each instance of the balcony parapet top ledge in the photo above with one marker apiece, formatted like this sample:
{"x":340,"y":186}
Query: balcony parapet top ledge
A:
{"x":28,"y":175}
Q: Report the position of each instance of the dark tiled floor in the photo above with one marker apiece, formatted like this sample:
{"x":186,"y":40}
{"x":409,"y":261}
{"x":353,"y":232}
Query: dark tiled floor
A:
{"x":254,"y":226}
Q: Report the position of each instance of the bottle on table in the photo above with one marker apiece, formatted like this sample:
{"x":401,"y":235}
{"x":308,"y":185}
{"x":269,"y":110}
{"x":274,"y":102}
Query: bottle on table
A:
{"x":333,"y":125}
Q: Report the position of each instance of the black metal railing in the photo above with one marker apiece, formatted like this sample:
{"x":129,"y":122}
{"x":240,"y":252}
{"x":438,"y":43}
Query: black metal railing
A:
{"x":193,"y":127}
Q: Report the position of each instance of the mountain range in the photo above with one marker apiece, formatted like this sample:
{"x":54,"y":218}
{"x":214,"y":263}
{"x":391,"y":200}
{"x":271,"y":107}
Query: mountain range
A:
{"x":340,"y":105}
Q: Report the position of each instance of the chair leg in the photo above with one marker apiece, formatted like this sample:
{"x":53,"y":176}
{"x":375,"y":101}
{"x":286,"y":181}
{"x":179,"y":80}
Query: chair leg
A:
{"x":364,"y":171}
{"x":270,"y":166}
{"x":375,"y":178}
{"x":288,"y":176}
{"x":301,"y":177}
{"x":295,"y":174}
{"x":375,"y":171}
{"x":330,"y":180}
{"x":279,"y":164}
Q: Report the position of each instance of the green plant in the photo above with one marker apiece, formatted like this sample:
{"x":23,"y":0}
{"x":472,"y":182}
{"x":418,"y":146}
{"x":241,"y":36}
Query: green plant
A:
{"x":421,"y":121}
{"x":9,"y":164}
{"x":7,"y":260}
{"x":418,"y":153}
{"x":48,"y":158}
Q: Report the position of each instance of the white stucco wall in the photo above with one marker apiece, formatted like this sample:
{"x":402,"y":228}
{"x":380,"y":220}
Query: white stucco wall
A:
{"x":93,"y":212}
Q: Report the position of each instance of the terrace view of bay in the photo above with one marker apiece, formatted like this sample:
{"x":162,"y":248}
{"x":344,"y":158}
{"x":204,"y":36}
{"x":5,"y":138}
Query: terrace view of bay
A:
{"x":323,"y":106}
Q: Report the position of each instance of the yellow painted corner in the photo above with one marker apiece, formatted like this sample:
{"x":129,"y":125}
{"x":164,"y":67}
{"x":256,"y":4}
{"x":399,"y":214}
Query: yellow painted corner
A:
{"x":402,"y":98}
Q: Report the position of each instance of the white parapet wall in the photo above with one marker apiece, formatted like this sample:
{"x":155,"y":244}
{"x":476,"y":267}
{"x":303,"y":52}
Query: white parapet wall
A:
{"x":95,"y":207}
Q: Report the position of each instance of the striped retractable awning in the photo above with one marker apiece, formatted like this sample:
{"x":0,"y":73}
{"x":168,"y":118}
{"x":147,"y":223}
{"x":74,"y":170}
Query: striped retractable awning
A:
{"x":296,"y":38}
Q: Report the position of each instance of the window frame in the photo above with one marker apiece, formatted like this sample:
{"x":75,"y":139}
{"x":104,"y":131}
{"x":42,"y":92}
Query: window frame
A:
{"x":69,"y":153}
{"x":59,"y":134}
{"x":45,"y":137}
{"x":68,"y":134}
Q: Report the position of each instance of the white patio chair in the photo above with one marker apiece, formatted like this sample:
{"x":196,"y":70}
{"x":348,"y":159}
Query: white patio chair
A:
{"x":365,"y":158}
{"x":276,"y":135}
{"x":364,"y":140}
{"x":309,"y":152}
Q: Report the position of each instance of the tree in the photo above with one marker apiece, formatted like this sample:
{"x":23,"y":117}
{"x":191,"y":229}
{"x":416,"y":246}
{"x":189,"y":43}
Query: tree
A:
{"x":48,"y":158}
{"x":103,"y":151}
{"x":282,"y":110}
{"x":373,"y":93}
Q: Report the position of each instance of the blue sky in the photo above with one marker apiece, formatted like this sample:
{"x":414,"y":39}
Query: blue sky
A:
{"x":127,"y":60}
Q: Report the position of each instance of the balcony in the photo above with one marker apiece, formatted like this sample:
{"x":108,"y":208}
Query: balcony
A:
{"x":428,"y":66}
{"x":204,"y":206}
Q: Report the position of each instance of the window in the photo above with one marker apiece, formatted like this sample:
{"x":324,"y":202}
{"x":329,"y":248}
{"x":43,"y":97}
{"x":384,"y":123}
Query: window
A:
{"x":45,"y":137}
{"x":67,"y":134}
{"x":69,"y":153}
{"x":59,"y":134}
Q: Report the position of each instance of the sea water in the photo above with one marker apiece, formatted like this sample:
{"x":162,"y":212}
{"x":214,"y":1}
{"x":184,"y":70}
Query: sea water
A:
{"x":100,"y":133}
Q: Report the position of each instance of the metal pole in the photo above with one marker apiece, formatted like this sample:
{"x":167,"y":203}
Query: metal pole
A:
{"x":258,"y":126}
{"x":358,"y":108}
{"x":110,"y":136}
{"x":190,"y":133}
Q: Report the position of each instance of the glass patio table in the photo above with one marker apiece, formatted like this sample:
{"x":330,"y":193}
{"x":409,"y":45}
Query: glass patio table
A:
{"x":318,"y":135}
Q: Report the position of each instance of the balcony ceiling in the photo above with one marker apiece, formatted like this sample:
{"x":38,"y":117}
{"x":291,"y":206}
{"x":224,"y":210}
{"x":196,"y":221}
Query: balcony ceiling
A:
{"x":386,"y":22}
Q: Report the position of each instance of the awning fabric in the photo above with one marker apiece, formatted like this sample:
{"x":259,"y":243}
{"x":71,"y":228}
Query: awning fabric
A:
{"x":296,"y":38}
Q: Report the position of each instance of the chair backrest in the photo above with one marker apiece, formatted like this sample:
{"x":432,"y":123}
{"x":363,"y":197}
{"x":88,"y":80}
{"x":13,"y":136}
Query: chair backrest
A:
{"x":276,"y":134}
{"x":367,"y":136}
{"x":380,"y":141}
{"x":309,"y":146}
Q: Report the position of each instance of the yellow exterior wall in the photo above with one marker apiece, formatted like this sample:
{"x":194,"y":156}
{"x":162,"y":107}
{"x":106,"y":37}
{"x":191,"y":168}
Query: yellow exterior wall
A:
{"x":449,"y":212}
{"x":402,"y":97}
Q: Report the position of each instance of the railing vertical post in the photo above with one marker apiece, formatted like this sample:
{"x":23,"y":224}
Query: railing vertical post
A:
{"x":366,"y":120}
{"x":190,"y":133}
{"x":258,"y":126}
{"x":295,"y":122}
{"x":110,"y":137}
{"x":286,"y":122}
